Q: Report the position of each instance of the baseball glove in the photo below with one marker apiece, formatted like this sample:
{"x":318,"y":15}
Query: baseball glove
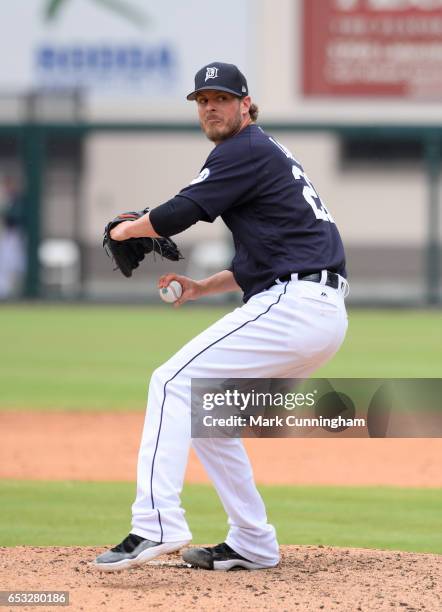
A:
{"x":127,"y":254}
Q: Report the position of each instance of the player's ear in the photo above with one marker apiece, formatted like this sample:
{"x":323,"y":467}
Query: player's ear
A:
{"x":245,"y":104}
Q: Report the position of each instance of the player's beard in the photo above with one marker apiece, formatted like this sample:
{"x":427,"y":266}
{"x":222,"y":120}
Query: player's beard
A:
{"x":217,"y":132}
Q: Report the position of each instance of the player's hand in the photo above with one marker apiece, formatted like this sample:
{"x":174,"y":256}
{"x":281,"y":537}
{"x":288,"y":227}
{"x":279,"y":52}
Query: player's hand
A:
{"x":121,"y":231}
{"x":192,"y":289}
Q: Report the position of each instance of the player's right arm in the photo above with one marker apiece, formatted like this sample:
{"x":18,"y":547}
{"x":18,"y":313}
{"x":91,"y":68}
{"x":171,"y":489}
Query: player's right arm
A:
{"x":221,"y":282}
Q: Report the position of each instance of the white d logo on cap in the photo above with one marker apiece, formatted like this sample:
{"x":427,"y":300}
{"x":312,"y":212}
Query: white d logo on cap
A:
{"x":211,"y":73}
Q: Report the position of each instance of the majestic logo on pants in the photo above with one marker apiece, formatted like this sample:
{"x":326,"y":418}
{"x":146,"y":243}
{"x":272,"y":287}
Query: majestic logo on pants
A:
{"x":211,"y":73}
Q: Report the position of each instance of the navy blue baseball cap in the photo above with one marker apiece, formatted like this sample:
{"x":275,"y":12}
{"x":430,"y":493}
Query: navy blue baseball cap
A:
{"x":224,"y":77}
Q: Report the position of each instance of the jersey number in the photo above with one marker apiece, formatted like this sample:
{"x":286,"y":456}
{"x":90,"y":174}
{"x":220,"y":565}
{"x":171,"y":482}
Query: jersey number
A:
{"x":311,"y":197}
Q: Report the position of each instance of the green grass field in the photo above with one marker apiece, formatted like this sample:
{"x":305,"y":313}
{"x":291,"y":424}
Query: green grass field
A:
{"x":55,"y":513}
{"x":101,"y":358}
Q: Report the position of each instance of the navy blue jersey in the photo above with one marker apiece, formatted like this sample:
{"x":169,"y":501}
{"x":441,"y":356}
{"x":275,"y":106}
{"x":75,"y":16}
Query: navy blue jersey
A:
{"x":278,"y":222}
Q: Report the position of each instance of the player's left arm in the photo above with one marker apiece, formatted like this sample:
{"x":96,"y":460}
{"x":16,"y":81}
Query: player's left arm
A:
{"x":141,"y":228}
{"x":168,"y":219}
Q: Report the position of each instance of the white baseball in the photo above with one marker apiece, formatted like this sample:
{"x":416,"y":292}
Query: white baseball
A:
{"x":172,"y":292}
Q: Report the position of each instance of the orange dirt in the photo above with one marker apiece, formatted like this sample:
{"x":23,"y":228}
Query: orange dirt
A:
{"x":103,"y":446}
{"x":309,"y":578}
{"x":87,"y":446}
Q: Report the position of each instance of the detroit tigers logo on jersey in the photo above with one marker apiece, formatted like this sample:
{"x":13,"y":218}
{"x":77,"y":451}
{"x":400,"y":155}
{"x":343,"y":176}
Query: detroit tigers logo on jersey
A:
{"x":211,"y":73}
{"x":201,"y":176}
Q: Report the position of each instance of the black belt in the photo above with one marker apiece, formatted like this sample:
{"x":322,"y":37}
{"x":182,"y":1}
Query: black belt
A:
{"x":315,"y":277}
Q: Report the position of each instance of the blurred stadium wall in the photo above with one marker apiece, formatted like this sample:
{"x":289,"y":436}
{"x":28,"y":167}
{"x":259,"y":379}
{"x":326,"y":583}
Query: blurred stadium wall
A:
{"x":94,"y":121}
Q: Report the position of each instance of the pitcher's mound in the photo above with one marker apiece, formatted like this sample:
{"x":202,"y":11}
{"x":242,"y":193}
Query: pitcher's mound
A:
{"x":308,"y":578}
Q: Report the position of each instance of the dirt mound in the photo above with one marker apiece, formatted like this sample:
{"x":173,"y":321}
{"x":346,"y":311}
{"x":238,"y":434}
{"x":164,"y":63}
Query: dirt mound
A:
{"x":308,"y":578}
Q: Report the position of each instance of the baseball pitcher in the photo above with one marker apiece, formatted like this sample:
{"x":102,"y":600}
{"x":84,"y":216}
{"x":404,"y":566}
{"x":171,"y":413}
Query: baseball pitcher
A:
{"x":289,"y":264}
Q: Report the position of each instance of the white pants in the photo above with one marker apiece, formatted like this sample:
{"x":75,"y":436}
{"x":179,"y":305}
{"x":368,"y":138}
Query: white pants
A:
{"x":287,"y":331}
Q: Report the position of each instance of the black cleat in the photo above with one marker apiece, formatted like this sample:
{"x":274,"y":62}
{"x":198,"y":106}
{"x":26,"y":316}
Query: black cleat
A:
{"x":219,"y":557}
{"x":134,"y":550}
